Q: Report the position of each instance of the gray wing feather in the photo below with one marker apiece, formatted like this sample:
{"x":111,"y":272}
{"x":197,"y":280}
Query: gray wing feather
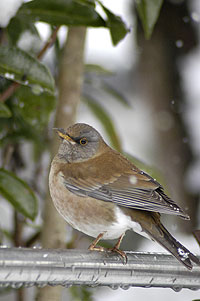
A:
{"x":128,"y":196}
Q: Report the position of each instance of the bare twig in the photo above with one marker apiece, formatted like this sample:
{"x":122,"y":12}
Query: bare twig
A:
{"x":8,"y":92}
{"x":7,"y":155}
{"x":18,"y":228}
{"x":14,"y":86}
{"x":49,"y":43}
{"x":33,"y":239}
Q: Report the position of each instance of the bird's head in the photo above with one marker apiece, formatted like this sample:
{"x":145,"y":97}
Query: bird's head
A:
{"x":80,"y":142}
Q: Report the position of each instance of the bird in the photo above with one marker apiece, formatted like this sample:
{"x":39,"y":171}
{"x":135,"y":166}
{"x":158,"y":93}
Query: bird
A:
{"x":101,"y":193}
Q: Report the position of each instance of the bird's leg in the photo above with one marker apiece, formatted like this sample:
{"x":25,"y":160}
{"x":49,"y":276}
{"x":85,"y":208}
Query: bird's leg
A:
{"x":119,"y":241}
{"x":117,"y":250}
{"x":93,"y":246}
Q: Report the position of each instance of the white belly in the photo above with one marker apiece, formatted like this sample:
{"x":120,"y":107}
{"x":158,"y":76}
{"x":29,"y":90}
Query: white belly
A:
{"x":123,"y":224}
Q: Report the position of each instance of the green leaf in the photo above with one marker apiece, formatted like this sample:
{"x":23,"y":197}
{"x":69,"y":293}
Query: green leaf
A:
{"x":106,"y":121}
{"x":19,"y":25}
{"x":18,"y":193}
{"x":148,"y":11}
{"x":62,"y":12}
{"x":118,"y":29}
{"x":18,"y":129}
{"x":97,"y":69}
{"x":4,"y":111}
{"x":18,"y":65}
{"x":7,"y":234}
{"x":35,"y":109}
{"x":87,"y":2}
{"x":115,"y":94}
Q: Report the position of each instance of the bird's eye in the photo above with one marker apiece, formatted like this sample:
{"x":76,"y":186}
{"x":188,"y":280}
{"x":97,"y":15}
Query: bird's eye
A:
{"x":83,"y":141}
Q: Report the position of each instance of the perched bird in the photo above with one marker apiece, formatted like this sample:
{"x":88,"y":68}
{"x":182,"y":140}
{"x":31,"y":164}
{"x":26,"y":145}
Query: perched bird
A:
{"x":102,"y":194}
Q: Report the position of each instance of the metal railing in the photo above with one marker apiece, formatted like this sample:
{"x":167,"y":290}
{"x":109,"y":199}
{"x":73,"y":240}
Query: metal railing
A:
{"x":28,"y":267}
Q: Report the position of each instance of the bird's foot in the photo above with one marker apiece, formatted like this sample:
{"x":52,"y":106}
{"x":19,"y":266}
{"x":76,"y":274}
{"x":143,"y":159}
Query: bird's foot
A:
{"x":114,"y":249}
{"x":121,"y":253}
{"x":94,"y":247}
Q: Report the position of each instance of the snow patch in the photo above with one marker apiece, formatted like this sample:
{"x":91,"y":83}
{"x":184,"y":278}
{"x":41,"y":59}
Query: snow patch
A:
{"x":133,"y":180}
{"x":8,"y":9}
{"x":183,"y":254}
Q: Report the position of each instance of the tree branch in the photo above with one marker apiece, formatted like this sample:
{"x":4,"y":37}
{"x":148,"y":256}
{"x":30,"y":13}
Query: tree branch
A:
{"x":49,"y":43}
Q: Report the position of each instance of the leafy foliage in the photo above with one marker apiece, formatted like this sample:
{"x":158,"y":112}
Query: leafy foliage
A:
{"x":67,"y":12}
{"x":18,"y":193}
{"x":4,"y":111}
{"x":118,"y":29}
{"x":35,"y":109}
{"x":18,"y":65}
{"x":148,"y":11}
{"x":96,"y":78}
{"x":17,"y":27}
{"x":62,"y":12}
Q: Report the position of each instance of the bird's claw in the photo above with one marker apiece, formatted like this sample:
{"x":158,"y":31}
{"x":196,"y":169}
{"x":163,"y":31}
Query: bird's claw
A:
{"x":121,"y":253}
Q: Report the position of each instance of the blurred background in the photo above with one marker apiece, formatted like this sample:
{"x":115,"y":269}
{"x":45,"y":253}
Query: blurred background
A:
{"x":143,"y":95}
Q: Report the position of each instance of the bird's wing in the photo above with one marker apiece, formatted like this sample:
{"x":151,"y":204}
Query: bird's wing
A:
{"x":132,"y":189}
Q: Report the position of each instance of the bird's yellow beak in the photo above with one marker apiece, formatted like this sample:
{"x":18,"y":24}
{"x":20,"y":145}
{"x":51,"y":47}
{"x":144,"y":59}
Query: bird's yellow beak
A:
{"x":65,"y":136}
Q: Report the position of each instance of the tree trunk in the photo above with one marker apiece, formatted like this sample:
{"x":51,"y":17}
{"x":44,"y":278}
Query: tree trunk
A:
{"x":69,"y":84}
{"x":160,"y":83}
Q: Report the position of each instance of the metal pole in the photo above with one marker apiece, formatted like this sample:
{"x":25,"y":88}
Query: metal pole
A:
{"x":28,"y":267}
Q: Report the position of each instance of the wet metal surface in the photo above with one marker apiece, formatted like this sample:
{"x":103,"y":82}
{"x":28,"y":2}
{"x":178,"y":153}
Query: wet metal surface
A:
{"x":28,"y":267}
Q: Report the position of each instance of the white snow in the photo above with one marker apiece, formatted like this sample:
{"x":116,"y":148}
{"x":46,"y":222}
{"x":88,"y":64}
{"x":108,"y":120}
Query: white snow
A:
{"x":29,"y":41}
{"x":133,"y":180}
{"x":8,"y":9}
{"x":9,"y":75}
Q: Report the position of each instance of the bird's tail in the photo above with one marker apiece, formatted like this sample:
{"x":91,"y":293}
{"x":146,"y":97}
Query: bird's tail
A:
{"x":173,"y":246}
